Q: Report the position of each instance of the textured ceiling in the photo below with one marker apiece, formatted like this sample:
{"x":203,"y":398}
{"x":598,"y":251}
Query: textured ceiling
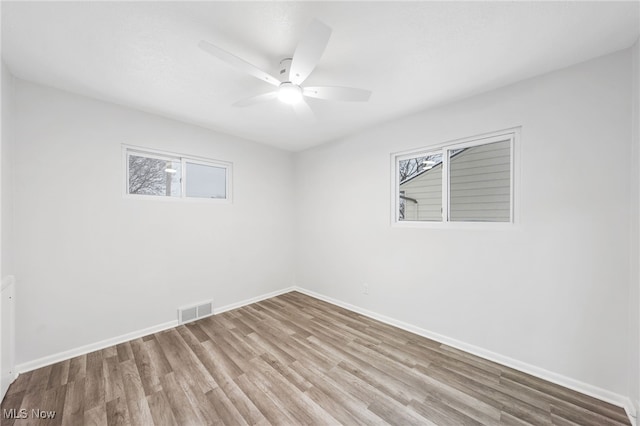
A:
{"x":412,"y":55}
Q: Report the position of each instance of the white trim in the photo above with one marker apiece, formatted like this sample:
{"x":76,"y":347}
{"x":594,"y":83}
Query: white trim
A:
{"x":631,"y":411}
{"x":12,"y":379}
{"x":164,"y":198}
{"x":156,"y":155}
{"x":7,"y":284}
{"x":256,"y":299}
{"x":559,"y":379}
{"x":174,"y":155}
{"x":395,"y":188}
{"x":445,"y":213}
{"x":61,"y":356}
{"x":82,"y":350}
{"x":460,"y":142}
{"x":489,"y":226}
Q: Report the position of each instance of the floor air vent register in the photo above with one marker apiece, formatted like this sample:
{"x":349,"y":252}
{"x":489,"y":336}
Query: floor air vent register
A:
{"x":194,"y":312}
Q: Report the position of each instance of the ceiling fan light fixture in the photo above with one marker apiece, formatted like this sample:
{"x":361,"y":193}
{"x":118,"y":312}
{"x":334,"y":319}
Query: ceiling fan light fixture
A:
{"x":293,"y":73}
{"x":289,"y":93}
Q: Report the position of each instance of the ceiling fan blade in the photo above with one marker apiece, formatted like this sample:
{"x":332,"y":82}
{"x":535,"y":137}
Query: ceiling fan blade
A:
{"x":304,"y":111}
{"x":309,"y":51}
{"x":237,"y":63}
{"x":256,"y":99}
{"x":333,"y":93}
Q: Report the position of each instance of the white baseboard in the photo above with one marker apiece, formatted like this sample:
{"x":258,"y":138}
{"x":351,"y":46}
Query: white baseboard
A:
{"x":7,"y":288}
{"x":585,"y":388}
{"x":61,"y":356}
{"x":5,"y":388}
{"x":632,"y":411}
{"x":13,"y":377}
{"x":71,"y":353}
{"x":246,"y":302}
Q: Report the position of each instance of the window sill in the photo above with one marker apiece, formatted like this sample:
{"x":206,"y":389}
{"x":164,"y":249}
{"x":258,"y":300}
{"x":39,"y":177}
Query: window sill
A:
{"x":485,"y":226}
{"x":177,"y":199}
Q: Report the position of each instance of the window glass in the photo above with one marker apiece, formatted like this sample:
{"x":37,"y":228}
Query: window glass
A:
{"x":480,"y":183}
{"x":420,"y":192}
{"x":205,"y":181}
{"x":154,"y":176}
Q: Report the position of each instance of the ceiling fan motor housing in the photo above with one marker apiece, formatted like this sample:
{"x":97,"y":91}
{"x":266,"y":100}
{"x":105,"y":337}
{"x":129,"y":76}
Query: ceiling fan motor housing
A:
{"x":285,"y":67}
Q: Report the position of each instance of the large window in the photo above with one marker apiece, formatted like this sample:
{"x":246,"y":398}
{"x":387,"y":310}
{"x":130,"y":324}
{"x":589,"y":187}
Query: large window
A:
{"x":165,"y":175}
{"x":464,"y":181}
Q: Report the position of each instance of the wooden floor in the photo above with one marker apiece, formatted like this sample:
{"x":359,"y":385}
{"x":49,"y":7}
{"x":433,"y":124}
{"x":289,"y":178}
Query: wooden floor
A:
{"x":293,"y":360}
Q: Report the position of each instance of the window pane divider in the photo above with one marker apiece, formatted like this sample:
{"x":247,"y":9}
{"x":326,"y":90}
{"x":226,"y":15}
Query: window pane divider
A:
{"x":183,"y":180}
{"x":445,"y":185}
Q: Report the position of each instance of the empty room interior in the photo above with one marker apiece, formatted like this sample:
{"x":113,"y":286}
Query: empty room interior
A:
{"x":358,"y":213}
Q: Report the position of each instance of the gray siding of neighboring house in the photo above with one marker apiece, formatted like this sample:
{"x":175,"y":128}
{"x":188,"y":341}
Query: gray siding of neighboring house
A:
{"x":427,"y":189}
{"x":479,"y":187}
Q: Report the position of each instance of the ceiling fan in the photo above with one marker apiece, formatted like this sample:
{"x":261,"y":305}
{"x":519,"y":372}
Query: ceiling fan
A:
{"x":293,"y":72}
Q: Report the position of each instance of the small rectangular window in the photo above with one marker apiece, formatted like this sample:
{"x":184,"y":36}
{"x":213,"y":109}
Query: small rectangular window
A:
{"x":464,"y":181}
{"x":156,"y":174}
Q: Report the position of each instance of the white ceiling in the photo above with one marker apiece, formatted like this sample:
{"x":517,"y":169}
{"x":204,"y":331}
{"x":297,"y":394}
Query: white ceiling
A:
{"x":412,"y":55}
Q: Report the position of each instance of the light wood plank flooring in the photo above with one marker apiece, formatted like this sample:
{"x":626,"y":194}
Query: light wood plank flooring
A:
{"x":294,"y":360}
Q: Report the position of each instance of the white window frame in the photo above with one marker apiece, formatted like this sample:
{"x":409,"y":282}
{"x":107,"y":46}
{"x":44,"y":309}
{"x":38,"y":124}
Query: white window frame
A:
{"x":512,"y":134}
{"x":128,"y":150}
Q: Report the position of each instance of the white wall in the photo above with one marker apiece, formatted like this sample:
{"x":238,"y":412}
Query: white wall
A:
{"x":6,"y":231}
{"x":92,"y":265}
{"x":634,"y":293}
{"x":553,"y":290}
